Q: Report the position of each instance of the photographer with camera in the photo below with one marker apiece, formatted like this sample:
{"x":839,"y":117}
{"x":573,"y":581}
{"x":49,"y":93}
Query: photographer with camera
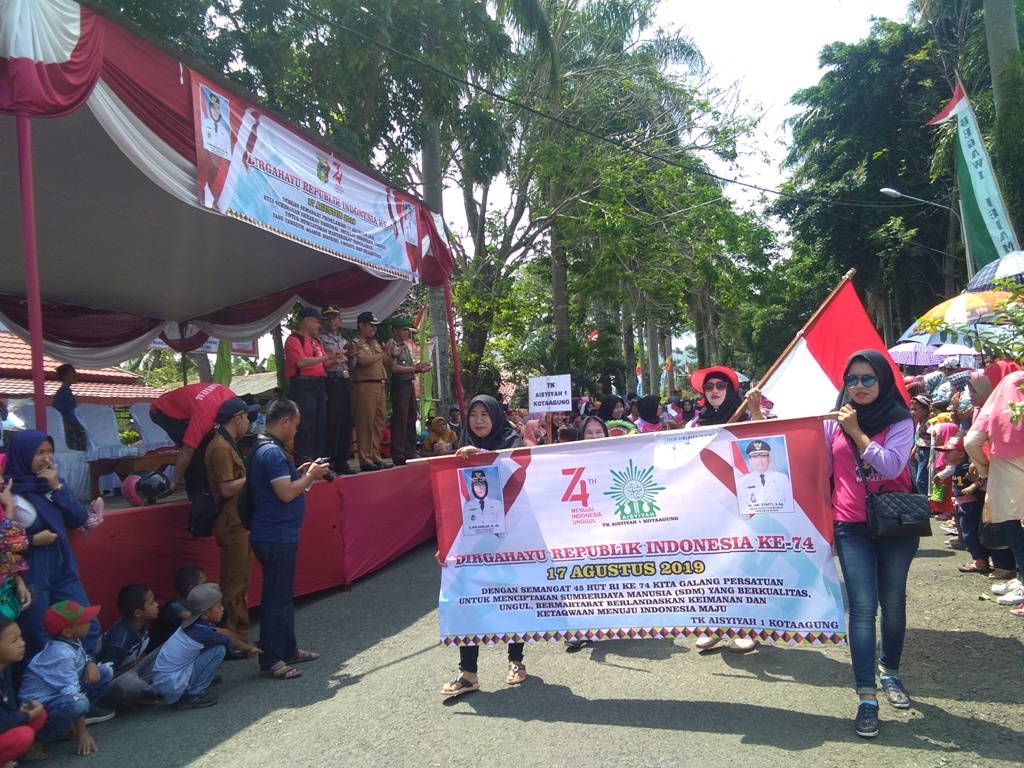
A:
{"x":279,"y":506}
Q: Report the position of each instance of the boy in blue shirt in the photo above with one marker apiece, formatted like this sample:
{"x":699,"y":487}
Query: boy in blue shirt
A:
{"x":125,"y":646}
{"x":187,"y":662}
{"x":62,"y":677}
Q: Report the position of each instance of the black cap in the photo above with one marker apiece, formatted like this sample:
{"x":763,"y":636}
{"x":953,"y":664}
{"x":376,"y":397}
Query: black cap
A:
{"x":367,"y":317}
{"x":758,"y":446}
{"x":310,"y":312}
{"x":232,"y":406}
{"x":478,"y":476}
{"x":331,"y":309}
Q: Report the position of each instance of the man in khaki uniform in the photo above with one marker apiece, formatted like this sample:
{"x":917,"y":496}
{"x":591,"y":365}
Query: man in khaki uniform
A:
{"x":225,"y":472}
{"x":368,"y":377}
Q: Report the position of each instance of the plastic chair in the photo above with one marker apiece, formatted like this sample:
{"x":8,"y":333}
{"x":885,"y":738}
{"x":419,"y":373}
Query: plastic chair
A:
{"x":102,"y":440}
{"x":72,"y":465}
{"x":151,"y":434}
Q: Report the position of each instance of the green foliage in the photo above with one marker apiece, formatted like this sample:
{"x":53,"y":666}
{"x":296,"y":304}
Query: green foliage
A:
{"x":1008,"y":142}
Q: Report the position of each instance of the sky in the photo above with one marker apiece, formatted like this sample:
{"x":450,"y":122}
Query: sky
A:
{"x":770,"y":47}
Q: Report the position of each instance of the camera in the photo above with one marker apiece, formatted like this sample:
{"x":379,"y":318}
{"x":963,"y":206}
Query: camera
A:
{"x":331,"y":475}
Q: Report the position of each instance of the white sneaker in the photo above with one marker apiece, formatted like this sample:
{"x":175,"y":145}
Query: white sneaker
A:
{"x":1012,"y":598}
{"x":708,"y":641}
{"x":1007,"y":586}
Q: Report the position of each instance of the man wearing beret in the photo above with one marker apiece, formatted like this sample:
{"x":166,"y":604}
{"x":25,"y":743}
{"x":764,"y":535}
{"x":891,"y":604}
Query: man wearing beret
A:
{"x":763,"y":489}
{"x":403,"y":393}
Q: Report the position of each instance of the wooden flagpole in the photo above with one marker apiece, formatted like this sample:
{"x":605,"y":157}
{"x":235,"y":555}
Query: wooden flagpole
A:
{"x":799,"y":335}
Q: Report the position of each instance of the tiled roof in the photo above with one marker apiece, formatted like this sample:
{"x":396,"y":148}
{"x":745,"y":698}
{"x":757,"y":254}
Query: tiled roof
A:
{"x":104,"y":393}
{"x":106,"y":386}
{"x":16,"y":361}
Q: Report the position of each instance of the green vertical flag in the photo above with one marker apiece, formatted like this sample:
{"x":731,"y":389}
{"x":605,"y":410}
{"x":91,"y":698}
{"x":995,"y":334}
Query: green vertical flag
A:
{"x":427,"y":377}
{"x":222,"y":368}
{"x":986,"y":225}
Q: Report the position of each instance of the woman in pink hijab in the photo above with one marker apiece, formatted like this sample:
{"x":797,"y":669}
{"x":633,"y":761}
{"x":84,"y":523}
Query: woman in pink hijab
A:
{"x":996,"y":446}
{"x":533,"y":433}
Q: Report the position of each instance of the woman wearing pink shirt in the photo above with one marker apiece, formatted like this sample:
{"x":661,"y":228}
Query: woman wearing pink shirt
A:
{"x":874,"y":417}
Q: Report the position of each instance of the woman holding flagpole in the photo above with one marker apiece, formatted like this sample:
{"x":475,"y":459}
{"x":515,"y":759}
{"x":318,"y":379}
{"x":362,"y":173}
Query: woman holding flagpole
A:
{"x":874,"y":427}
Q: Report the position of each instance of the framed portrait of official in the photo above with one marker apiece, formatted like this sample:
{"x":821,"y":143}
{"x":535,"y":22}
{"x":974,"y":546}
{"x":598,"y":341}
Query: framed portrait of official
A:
{"x":762,"y":471}
{"x":483,"y":508}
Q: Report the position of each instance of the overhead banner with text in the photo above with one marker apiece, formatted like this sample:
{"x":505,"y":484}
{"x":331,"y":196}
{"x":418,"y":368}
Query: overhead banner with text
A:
{"x":255,"y":168}
{"x":725,"y":530}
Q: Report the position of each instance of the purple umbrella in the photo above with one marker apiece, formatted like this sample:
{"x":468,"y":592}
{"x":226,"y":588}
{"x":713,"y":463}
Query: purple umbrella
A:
{"x":914,"y":353}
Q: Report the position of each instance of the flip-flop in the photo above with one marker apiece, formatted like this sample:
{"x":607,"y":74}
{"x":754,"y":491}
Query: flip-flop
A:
{"x":284,"y":672}
{"x":972,"y":567}
{"x":1018,"y":611}
{"x":465,"y":686}
{"x":516,"y":673}
{"x":303,"y":656}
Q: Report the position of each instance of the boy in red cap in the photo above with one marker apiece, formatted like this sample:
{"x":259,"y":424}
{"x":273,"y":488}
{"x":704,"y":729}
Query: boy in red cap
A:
{"x":54,"y":677}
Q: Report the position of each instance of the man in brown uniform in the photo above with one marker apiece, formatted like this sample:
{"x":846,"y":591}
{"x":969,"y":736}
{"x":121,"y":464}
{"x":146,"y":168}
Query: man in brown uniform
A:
{"x":225,"y":472}
{"x":368,"y":376}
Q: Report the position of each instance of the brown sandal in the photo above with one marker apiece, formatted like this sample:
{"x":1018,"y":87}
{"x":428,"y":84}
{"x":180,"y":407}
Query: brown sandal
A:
{"x":516,"y":673}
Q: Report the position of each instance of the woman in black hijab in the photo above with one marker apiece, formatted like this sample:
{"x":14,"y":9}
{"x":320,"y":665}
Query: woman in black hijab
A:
{"x":486,"y":428}
{"x":612,"y":408}
{"x":875,"y":428}
{"x":721,"y":389}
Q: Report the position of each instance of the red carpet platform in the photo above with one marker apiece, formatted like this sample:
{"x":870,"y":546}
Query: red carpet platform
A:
{"x":353,"y":526}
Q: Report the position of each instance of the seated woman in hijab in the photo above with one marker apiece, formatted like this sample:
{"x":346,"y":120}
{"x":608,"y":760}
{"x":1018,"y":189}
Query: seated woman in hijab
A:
{"x":486,"y":429}
{"x":721,"y":388}
{"x":46,"y":507}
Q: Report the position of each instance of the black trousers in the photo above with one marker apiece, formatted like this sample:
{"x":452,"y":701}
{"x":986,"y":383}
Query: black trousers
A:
{"x":403,"y":420}
{"x":195,"y":472}
{"x":310,"y":394}
{"x":338,"y":444}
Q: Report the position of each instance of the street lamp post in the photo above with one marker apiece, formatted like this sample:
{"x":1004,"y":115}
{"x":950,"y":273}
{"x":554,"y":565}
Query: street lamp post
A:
{"x":890,"y":192}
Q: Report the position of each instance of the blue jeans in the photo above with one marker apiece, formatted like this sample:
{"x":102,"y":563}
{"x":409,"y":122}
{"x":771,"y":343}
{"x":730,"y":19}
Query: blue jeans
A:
{"x":277,"y":612}
{"x":875,"y":573}
{"x":64,"y":710}
{"x":204,"y":668}
{"x":1015,"y":538}
{"x":969,"y":513}
{"x":921,"y":476}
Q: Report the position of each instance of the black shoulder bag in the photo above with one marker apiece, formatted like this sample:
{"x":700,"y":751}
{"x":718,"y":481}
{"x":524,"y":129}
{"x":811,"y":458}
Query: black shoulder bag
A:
{"x":893,"y":514}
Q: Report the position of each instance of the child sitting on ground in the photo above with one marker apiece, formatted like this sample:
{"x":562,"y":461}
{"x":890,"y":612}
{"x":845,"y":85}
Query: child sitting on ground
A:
{"x":18,"y":727}
{"x":125,"y":646}
{"x":62,"y":678}
{"x":175,"y":611}
{"x":186,"y":664}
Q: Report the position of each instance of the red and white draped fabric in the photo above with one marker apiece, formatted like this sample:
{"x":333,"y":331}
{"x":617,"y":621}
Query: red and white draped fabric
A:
{"x":56,"y":57}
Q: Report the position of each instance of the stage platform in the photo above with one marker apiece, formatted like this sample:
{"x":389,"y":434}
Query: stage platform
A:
{"x":353,"y":526}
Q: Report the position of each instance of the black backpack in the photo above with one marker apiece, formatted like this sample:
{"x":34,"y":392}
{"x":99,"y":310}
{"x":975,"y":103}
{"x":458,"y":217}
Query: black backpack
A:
{"x":246,"y":498}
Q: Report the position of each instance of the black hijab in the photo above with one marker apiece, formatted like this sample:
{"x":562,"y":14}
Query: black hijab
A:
{"x":502,"y":434}
{"x":888,"y":408}
{"x":607,"y":406}
{"x":647,"y":407}
{"x":709,"y":415}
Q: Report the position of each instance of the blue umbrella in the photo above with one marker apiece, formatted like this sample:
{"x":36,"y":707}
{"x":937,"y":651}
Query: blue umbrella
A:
{"x":1009,"y":267}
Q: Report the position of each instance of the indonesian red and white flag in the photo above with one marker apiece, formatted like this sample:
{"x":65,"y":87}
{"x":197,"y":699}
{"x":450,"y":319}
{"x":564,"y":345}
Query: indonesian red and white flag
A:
{"x":807,"y":380}
{"x":953,"y":107}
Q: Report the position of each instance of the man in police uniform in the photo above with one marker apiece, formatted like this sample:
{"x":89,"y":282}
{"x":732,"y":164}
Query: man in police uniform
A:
{"x":764,"y":489}
{"x":481,"y":514}
{"x":368,"y":376}
{"x":403,"y":393}
{"x":338,"y":443}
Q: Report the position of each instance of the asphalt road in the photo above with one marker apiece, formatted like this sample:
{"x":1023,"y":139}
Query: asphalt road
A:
{"x":373,"y":700}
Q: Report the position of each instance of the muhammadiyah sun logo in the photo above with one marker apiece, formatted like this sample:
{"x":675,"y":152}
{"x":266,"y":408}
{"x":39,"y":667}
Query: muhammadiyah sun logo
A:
{"x":634,"y":492}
